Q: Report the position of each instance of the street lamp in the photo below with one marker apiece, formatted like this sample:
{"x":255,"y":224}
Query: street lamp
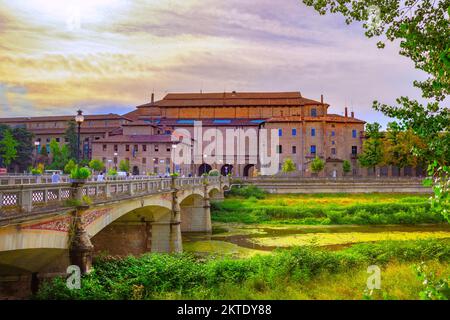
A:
{"x":174,"y":146}
{"x":36,"y":144}
{"x":79,"y":119}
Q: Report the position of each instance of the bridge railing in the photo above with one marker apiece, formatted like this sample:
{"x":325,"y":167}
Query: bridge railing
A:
{"x":27,"y":198}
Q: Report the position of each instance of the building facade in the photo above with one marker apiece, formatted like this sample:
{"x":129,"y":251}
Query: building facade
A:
{"x":144,"y":136}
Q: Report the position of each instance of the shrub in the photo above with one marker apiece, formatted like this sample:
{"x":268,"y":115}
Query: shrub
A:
{"x":317,"y":165}
{"x":80,"y":173}
{"x":247,"y":192}
{"x":112,"y":172}
{"x":69,"y":166}
{"x":96,"y":165}
{"x":214,"y":173}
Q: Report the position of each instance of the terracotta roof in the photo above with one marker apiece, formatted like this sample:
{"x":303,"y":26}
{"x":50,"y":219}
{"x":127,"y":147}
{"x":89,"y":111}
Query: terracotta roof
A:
{"x":219,"y":122}
{"x":232,"y":99}
{"x":327,"y":118}
{"x":110,"y":116}
{"x":136,"y":139}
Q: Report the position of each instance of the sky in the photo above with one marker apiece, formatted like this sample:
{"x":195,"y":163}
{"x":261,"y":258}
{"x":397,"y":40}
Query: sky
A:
{"x":107,"y":56}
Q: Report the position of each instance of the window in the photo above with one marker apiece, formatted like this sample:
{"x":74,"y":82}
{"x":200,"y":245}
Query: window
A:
{"x":333,"y":133}
{"x":294,"y":132}
{"x":313,"y":149}
{"x":168,"y":160}
{"x":333,"y":151}
{"x":105,"y":147}
{"x":116,"y":148}
{"x":354,"y":134}
{"x":136,"y":148}
{"x":280,"y":132}
{"x":279,"y":148}
{"x":167,"y":132}
{"x":48,"y":139}
{"x":127,"y":147}
{"x":104,"y":160}
{"x":314,"y":112}
{"x":168,"y":149}
{"x":144,"y":160}
{"x":313,"y":132}
{"x":333,"y":142}
{"x":115,"y":160}
{"x":294,"y":149}
{"x":58,"y":139}
{"x":155,"y":160}
{"x":156,"y":148}
{"x":354,"y":150}
{"x":65,"y":140}
{"x":144,"y":147}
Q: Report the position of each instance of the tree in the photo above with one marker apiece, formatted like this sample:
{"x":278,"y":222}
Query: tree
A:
{"x":8,"y":148}
{"x":124,"y":166}
{"x":71,"y":165}
{"x":96,"y":165}
{"x":423,"y":28}
{"x":317,"y":165}
{"x":372,"y":154}
{"x":71,"y":137}
{"x":25,"y":146}
{"x":60,"y":156}
{"x":346,"y":166}
{"x":288,"y":166}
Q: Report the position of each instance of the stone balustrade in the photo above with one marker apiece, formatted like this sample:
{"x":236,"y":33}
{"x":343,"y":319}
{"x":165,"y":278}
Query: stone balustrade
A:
{"x":39,"y":197}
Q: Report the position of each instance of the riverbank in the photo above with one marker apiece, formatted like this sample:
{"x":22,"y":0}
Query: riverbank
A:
{"x":298,"y":273}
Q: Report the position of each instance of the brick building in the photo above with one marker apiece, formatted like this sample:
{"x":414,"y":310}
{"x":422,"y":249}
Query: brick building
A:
{"x":143,"y":136}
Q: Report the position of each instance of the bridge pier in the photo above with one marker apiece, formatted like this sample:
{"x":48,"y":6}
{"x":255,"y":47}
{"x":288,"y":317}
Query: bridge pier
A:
{"x":80,"y":247}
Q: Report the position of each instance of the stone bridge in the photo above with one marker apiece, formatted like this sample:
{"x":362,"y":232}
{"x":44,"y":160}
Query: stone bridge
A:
{"x":46,"y":227}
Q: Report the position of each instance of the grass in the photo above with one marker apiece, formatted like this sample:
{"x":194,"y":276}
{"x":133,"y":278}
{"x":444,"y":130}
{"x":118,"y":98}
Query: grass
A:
{"x":298,"y":273}
{"x":326,"y":209}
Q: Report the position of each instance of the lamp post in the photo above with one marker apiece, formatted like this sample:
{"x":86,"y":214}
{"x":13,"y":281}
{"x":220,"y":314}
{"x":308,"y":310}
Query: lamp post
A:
{"x":79,"y":119}
{"x":174,"y":146}
{"x":36,"y":145}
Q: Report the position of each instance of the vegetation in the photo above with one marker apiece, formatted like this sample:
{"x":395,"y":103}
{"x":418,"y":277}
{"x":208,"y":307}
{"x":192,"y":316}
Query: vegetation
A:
{"x":124,"y":166}
{"x":8,"y":148}
{"x":70,"y":166}
{"x":71,"y":137}
{"x":112,"y":173}
{"x":60,"y":156}
{"x":22,"y":157}
{"x":96,"y":165}
{"x":214,"y":173}
{"x":317,"y":165}
{"x":80,"y":173}
{"x":160,"y":276}
{"x":346,"y":166}
{"x":247,"y":192}
{"x":288,"y":166}
{"x":326,"y":209}
{"x":372,"y":154}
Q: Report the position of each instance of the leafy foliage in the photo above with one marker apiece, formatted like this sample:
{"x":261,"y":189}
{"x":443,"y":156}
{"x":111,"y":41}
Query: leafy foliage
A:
{"x":288,"y":166}
{"x":72,"y":139}
{"x":124,"y":166}
{"x":96,"y":165}
{"x":8,"y":148}
{"x":70,"y":166}
{"x":372,"y":154}
{"x":317,"y":165}
{"x":80,"y":173}
{"x":247,"y":192}
{"x":346,"y":166}
{"x":153,"y":275}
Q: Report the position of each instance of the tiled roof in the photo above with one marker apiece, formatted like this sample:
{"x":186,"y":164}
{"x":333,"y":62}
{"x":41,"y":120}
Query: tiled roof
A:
{"x":327,"y":118}
{"x":256,"y":99}
{"x":110,"y":116}
{"x":210,"y":122}
{"x":84,"y":130}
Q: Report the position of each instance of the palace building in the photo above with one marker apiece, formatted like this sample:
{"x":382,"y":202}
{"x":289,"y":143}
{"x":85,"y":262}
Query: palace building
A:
{"x":143,"y":136}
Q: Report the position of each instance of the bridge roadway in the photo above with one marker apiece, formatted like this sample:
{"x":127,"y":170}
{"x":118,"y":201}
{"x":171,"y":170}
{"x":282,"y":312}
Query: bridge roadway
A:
{"x":45,"y":227}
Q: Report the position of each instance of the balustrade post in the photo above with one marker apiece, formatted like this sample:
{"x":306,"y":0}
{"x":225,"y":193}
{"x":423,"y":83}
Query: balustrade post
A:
{"x":175,"y":224}
{"x":131,"y":188}
{"x":107,"y":189}
{"x":207,"y":210}
{"x":26,"y":199}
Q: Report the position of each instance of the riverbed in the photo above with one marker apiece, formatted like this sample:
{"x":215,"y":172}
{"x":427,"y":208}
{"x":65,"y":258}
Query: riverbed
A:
{"x":243,"y":240}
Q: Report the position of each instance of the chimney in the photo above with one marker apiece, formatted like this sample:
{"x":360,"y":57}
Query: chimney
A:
{"x":321,"y":98}
{"x":353,"y":114}
{"x":153,"y":98}
{"x":346,"y":112}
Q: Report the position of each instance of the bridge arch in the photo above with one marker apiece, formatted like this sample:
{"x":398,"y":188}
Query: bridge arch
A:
{"x":195,"y":214}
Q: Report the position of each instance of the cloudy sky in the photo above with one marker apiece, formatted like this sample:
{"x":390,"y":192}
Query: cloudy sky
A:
{"x":109,"y":55}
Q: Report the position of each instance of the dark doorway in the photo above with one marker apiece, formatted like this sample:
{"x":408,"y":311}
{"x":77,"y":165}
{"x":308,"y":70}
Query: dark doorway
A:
{"x":204,"y":168}
{"x":226,"y":170}
{"x":248,"y":170}
{"x":135,"y":171}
